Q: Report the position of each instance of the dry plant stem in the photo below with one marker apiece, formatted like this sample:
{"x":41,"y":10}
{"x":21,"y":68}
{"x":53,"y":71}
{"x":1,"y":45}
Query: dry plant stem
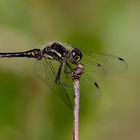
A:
{"x":76,"y":77}
{"x":76,"y":109}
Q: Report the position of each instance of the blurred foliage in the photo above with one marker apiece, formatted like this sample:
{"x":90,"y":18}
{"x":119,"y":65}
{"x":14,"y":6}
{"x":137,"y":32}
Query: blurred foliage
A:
{"x":27,"y":111}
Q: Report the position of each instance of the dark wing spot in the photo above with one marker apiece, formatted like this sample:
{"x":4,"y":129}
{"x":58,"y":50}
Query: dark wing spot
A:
{"x":121,"y":59}
{"x":99,"y":65}
{"x":96,"y":85}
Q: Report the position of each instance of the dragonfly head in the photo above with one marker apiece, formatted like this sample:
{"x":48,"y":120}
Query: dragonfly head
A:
{"x":75,"y":56}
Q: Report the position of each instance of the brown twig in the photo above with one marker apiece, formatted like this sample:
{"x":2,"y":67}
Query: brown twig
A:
{"x":76,"y":77}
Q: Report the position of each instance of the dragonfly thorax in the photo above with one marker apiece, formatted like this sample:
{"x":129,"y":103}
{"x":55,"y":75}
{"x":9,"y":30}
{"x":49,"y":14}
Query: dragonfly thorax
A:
{"x":55,"y":51}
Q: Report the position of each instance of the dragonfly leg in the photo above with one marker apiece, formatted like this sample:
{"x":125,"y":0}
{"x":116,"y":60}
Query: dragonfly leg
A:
{"x":57,"y":79}
{"x":67,"y":69}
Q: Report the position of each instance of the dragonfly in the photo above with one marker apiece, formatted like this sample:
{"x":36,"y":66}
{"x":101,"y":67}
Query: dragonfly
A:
{"x":56,"y":62}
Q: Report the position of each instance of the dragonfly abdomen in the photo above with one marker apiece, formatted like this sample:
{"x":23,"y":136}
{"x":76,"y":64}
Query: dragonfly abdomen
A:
{"x":35,"y":53}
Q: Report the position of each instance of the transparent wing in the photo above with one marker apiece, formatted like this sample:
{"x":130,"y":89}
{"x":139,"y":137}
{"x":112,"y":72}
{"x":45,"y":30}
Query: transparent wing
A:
{"x":93,"y":70}
{"x":99,"y":64}
{"x":89,"y":87}
{"x":46,"y":70}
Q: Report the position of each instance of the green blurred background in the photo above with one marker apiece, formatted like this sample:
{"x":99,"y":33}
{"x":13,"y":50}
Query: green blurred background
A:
{"x":27,"y":112}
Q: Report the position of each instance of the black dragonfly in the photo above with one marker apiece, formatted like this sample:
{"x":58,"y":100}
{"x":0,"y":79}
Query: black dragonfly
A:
{"x":56,"y":62}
